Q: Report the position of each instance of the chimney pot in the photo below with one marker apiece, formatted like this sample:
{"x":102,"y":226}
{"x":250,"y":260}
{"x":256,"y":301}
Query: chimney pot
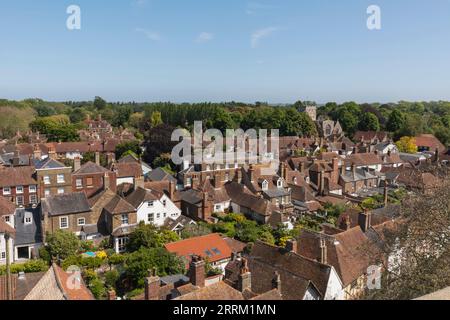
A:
{"x":292,"y":245}
{"x":197,"y":271}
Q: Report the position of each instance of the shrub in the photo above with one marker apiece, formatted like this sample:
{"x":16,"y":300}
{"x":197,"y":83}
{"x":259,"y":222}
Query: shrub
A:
{"x":111,"y":278}
{"x":27,"y":267}
{"x":97,"y":288}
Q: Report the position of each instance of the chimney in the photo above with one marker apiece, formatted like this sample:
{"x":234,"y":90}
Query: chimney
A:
{"x":172,"y":188}
{"x":436,"y":155}
{"x":251,"y":172}
{"x":323,"y":251}
{"x":99,"y":117}
{"x":276,"y":281}
{"x":321,"y":183}
{"x":37,"y":153}
{"x":76,"y":164}
{"x":16,"y":158}
{"x":335,"y":164}
{"x":346,"y":223}
{"x":111,"y":158}
{"x":97,"y":158}
{"x":302,"y":167}
{"x":52,"y":152}
{"x":386,"y":198}
{"x":364,"y":220}
{"x":245,"y":277}
{"x":343,"y":168}
{"x":112,"y":294}
{"x":283,"y":170}
{"x":152,"y":284}
{"x":197,"y":271}
{"x":354,"y":169}
{"x":205,"y":206}
{"x":291,"y":245}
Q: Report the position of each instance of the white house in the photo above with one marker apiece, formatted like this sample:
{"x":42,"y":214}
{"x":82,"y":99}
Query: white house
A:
{"x":153,"y":207}
{"x":7,"y":211}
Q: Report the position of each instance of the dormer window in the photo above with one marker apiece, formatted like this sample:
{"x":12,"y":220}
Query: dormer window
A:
{"x":150,"y":204}
{"x":265,"y":185}
{"x":28,"y":218}
{"x":295,"y":181}
{"x":280,"y":183}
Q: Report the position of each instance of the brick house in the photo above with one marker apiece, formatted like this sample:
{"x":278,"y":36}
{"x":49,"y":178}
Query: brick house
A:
{"x":356,"y":180}
{"x":53,"y":177}
{"x":19,"y":185}
{"x":69,"y":212}
{"x":91,"y":178}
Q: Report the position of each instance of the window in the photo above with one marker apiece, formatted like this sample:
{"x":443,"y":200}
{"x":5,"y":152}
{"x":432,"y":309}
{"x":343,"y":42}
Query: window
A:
{"x":19,"y":189}
{"x":124,"y":219}
{"x":280,"y":183}
{"x":32,"y":189}
{"x":28,"y":219}
{"x":6,"y":190}
{"x":217,"y":207}
{"x":158,"y":215}
{"x":81,"y":221}
{"x":164,"y":203}
{"x":33,"y":199}
{"x":150,"y":204}
{"x":122,"y":244}
{"x":295,"y":180}
{"x":47,"y":192}
{"x":47,"y":180}
{"x":151,"y":217}
{"x":19,"y":200}
{"x":89,"y":182}
{"x":60,"y":190}
{"x":60,"y":178}
{"x":165,"y":215}
{"x":63,"y":223}
{"x":3,"y":255}
{"x":7,"y":219}
{"x":216,"y":251}
{"x":265,"y":185}
{"x":79,"y":183}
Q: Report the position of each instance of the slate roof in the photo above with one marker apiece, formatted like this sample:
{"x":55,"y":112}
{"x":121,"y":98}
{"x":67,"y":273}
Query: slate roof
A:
{"x":183,"y":220}
{"x":360,"y":174}
{"x":90,"y":168}
{"x":158,"y":174}
{"x":62,"y":204}
{"x":28,"y":233}
{"x":48,"y":163}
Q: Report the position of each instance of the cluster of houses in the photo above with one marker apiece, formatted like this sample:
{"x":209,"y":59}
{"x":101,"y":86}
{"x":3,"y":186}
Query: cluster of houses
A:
{"x":40,"y":194}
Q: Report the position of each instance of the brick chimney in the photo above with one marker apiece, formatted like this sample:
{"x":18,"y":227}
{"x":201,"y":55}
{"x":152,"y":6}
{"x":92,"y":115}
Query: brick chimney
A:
{"x":335,"y":174}
{"x":245,"y":277}
{"x":365,"y":220}
{"x":321,"y":183}
{"x":76,"y":164}
{"x":197,"y":271}
{"x":52,"y":152}
{"x":206,"y":212}
{"x":16,"y":158}
{"x":323,"y":251}
{"x":152,"y":284}
{"x":97,"y":158}
{"x":251,"y":172}
{"x":354,"y":169}
{"x":283,"y":170}
{"x":346,"y":223}
{"x":112,"y":294}
{"x":172,"y":188}
{"x":37,"y":153}
{"x":302,"y":167}
{"x":292,"y":245}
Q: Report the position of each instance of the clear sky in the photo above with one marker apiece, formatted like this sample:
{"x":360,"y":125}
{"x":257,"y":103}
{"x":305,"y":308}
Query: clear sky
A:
{"x":222,"y":50}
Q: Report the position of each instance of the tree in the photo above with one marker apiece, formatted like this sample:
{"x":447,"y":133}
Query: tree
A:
{"x":156,"y":119}
{"x":140,"y":262}
{"x":396,"y":121}
{"x":407,"y":145}
{"x":62,"y":244}
{"x":149,"y":236}
{"x":99,"y":103}
{"x":121,"y":116}
{"x":127,"y":146}
{"x":158,"y":141}
{"x":420,"y":245}
{"x":369,"y":122}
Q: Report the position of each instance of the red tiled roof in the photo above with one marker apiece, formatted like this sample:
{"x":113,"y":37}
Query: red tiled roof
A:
{"x":200,"y":246}
{"x":17,"y":176}
{"x":6,"y":207}
{"x":429,"y":141}
{"x":80,"y":292}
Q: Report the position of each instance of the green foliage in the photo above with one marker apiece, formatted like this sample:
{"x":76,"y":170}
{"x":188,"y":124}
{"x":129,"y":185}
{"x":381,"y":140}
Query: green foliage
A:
{"x":140,"y":262}
{"x":124,"y":147}
{"x":195,"y":230}
{"x":156,"y":119}
{"x":111,"y":278}
{"x":396,"y":121}
{"x":62,"y":244}
{"x":99,"y":103}
{"x":31,"y":266}
{"x":149,"y":236}
{"x":44,"y":254}
{"x":369,"y":122}
{"x":56,"y":128}
{"x":97,"y":288}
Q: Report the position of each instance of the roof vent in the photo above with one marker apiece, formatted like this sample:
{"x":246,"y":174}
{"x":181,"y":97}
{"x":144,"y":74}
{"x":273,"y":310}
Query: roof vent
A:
{"x":22,"y":276}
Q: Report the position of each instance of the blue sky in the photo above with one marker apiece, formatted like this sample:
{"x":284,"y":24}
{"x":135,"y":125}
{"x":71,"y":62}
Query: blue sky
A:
{"x":210,"y":50}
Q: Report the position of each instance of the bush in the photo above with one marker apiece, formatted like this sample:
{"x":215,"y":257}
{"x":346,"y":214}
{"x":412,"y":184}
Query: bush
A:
{"x":27,"y":267}
{"x":62,"y":244}
{"x":44,"y":254}
{"x":97,"y":288}
{"x":111,"y":278}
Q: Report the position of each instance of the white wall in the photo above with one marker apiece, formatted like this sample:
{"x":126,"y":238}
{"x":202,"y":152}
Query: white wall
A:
{"x":124,"y":180}
{"x":3,"y":249}
{"x":170,"y":210}
{"x":335,"y":291}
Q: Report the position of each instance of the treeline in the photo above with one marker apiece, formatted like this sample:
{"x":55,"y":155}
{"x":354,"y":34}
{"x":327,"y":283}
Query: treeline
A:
{"x":401,"y":119}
